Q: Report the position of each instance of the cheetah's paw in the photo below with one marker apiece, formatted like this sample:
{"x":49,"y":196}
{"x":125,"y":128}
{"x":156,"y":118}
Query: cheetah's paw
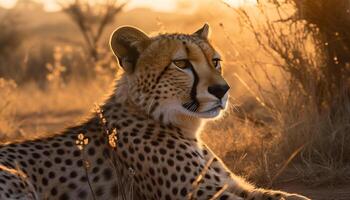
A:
{"x":288,"y":196}
{"x":274,"y":195}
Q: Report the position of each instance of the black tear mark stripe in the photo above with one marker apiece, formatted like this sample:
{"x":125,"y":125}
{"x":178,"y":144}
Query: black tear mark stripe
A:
{"x":161,"y":75}
{"x":189,"y":65}
{"x":193,"y":92}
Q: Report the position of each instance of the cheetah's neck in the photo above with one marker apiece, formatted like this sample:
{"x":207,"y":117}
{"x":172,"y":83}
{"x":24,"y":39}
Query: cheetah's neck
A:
{"x":120,"y":96}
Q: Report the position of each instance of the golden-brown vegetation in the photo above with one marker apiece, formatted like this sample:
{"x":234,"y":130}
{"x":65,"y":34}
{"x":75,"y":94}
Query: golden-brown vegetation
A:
{"x":289,"y":117}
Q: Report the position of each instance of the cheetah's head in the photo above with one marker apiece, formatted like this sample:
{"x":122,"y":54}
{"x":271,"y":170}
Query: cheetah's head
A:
{"x":172,"y":77}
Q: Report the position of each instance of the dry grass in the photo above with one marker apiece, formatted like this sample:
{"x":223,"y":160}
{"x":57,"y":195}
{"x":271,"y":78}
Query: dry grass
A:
{"x":30,"y":111}
{"x":8,"y":122}
{"x":293,"y":124}
{"x":298,"y":143}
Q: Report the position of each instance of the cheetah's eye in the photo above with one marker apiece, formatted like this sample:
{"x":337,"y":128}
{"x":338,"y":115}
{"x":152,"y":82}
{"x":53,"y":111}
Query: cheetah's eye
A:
{"x":216,"y":63}
{"x":182,"y":63}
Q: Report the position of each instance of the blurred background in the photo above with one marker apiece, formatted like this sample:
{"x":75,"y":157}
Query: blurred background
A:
{"x":287,"y":61}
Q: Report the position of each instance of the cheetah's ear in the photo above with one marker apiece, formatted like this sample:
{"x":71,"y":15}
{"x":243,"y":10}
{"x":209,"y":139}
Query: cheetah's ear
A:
{"x":127,"y":43}
{"x":203,"y":32}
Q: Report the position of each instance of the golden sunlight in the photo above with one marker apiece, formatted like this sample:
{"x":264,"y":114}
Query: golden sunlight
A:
{"x":157,"y":5}
{"x":174,"y":95}
{"x":237,"y":3}
{"x":53,"y":5}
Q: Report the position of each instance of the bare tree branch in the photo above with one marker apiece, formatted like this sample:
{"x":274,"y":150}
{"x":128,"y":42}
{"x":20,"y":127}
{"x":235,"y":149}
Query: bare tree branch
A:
{"x":92,"y":20}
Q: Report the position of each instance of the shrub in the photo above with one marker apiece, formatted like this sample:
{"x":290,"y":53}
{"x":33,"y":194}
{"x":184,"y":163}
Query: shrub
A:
{"x":307,"y":106}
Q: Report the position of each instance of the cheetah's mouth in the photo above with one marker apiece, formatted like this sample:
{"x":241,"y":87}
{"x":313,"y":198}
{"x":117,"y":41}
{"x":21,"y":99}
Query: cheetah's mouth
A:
{"x":213,"y":112}
{"x":210,"y":113}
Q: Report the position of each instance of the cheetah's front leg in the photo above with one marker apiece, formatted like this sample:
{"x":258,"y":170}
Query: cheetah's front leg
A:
{"x":240,"y":187}
{"x":261,"y":194}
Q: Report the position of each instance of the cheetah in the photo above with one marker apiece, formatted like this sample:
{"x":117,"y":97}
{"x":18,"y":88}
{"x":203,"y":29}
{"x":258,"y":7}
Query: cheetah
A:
{"x":144,"y":136}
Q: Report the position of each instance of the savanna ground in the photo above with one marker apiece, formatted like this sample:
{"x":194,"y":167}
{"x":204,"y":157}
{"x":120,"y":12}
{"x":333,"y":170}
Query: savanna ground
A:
{"x":288,"y":64}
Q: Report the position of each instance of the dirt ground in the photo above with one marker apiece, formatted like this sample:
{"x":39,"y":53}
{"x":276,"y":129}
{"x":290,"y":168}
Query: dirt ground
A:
{"x":39,"y":123}
{"x":341,"y":192}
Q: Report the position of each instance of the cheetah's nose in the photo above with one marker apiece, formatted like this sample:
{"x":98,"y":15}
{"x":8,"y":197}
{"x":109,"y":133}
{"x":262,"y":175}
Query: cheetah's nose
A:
{"x":218,"y":90}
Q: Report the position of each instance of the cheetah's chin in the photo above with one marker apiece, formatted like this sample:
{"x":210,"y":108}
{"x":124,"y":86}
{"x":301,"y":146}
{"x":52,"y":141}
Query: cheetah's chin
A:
{"x":211,"y":113}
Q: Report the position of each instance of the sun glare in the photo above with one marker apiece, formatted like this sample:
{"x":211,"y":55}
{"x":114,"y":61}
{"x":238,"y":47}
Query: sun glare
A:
{"x":7,"y":3}
{"x":237,"y":3}
{"x":157,"y":5}
{"x":52,"y":5}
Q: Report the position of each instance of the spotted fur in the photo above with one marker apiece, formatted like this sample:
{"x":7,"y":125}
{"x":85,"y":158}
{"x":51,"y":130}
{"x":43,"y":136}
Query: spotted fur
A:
{"x":171,"y":82}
